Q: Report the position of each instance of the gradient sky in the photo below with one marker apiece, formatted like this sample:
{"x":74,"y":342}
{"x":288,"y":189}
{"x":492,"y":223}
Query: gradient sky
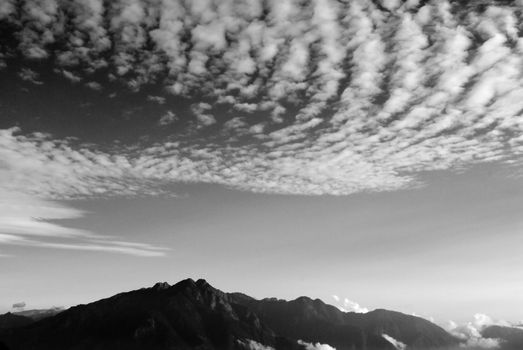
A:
{"x":370,"y":150}
{"x":447,"y":250}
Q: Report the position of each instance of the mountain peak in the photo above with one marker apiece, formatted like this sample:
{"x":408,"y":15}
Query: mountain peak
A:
{"x":186,"y":283}
{"x":203,"y":284}
{"x":161,"y":286}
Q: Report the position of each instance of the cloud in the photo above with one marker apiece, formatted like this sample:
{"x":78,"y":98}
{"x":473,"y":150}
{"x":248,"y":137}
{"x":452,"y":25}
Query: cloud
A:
{"x":32,"y":222}
{"x":315,"y":346}
{"x":7,"y":8}
{"x":29,"y":75}
{"x":201,"y":111}
{"x":348,"y":305}
{"x":168,"y":118}
{"x":253,"y":345}
{"x":344,"y":97}
{"x":470,"y":332}
{"x":93,"y":85}
{"x":19,"y":306}
{"x":397,"y":344}
{"x":30,"y":165}
{"x":71,"y":76}
{"x":158,"y":99}
{"x":26,"y":216}
{"x":36,"y":170}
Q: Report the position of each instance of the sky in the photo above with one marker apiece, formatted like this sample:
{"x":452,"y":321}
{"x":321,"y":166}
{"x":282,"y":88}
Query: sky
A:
{"x":368,"y":150}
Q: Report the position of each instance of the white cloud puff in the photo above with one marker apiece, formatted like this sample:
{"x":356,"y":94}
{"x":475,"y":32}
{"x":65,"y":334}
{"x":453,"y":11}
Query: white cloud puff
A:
{"x":250,"y":344}
{"x":315,"y":346}
{"x":347,"y":305}
{"x":168,"y":118}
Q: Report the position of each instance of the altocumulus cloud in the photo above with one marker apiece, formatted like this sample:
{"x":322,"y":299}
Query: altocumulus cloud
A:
{"x":357,"y":95}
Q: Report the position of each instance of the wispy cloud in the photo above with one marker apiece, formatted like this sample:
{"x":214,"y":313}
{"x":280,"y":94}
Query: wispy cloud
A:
{"x":32,"y":222}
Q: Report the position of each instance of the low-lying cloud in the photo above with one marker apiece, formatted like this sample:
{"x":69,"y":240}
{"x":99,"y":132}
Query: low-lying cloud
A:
{"x":250,"y":344}
{"x":315,"y":346}
{"x":397,"y":344}
{"x":470,"y":333}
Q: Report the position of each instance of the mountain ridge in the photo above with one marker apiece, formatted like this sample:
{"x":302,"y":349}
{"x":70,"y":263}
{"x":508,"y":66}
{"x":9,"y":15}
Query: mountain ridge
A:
{"x":194,"y":315}
{"x":510,"y":337}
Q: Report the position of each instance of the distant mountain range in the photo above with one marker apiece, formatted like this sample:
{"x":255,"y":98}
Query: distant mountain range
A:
{"x":194,"y":315}
{"x":38,"y":314}
{"x":26,"y":317}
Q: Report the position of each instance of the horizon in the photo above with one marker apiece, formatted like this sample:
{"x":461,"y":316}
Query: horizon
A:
{"x":467,"y":331}
{"x":342,"y":304}
{"x":134,"y":215}
{"x":370,"y":151}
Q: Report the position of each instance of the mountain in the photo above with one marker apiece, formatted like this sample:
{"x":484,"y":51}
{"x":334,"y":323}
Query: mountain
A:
{"x":10,"y":320}
{"x":315,"y":321}
{"x":511,"y":337}
{"x":24,"y":318}
{"x":38,"y":314}
{"x":194,"y":315}
{"x":416,"y":332}
{"x":188,"y":315}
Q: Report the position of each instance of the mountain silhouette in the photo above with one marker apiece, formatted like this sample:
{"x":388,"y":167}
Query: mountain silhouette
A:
{"x":10,"y":320}
{"x":315,"y":321}
{"x":194,"y":315}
